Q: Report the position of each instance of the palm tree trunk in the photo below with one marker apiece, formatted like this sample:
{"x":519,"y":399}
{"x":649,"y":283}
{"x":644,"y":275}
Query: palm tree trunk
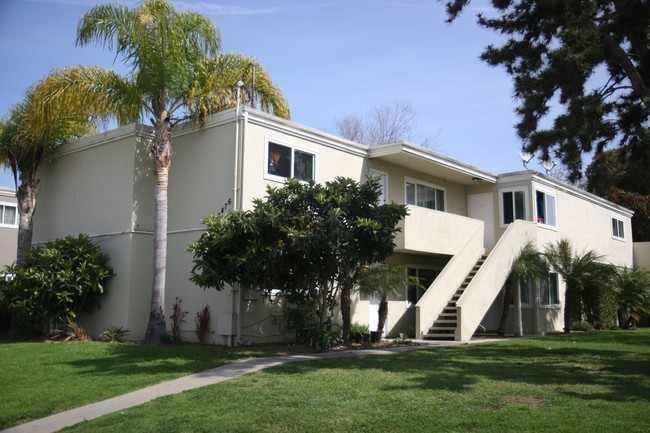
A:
{"x":26,"y":197}
{"x":162,"y":147}
{"x":383,"y":315}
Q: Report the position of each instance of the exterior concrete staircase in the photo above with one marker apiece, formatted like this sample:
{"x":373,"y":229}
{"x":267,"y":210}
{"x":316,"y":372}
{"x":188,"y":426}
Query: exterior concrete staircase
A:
{"x":444,"y":327}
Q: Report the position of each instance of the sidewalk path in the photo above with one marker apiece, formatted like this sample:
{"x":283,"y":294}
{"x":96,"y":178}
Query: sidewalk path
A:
{"x":74,"y":416}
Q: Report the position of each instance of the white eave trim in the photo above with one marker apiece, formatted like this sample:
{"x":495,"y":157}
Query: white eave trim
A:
{"x":431,"y":156}
{"x":558,"y":185}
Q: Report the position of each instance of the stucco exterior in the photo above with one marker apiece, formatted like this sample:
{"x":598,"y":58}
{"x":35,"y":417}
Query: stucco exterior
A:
{"x":103,"y":186}
{"x":8,"y":227}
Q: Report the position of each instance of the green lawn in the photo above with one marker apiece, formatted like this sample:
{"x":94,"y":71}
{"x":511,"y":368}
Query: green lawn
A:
{"x":593,"y":382}
{"x":551,"y":384}
{"x":39,"y":379}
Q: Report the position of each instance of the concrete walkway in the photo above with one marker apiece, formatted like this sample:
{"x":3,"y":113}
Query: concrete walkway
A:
{"x":70,"y":417}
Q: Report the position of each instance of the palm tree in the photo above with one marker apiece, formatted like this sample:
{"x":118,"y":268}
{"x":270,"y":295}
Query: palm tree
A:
{"x":176,"y":75}
{"x":529,"y":265}
{"x":33,"y":132}
{"x":382,"y":281}
{"x":579,"y":271}
{"x":632,"y":296}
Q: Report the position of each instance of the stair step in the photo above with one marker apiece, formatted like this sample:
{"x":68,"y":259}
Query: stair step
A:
{"x":438,"y":336}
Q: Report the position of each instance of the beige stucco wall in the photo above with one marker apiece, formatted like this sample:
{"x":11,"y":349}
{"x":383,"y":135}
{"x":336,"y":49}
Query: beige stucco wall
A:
{"x":8,"y":234}
{"x":642,"y":255}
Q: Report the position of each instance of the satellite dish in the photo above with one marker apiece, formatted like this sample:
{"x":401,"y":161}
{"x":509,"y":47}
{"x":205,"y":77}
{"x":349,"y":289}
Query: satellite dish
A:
{"x":526,"y":158}
{"x":548,"y":165}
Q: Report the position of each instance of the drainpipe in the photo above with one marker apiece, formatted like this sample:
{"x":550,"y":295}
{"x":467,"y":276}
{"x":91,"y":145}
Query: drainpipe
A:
{"x":236,"y":302}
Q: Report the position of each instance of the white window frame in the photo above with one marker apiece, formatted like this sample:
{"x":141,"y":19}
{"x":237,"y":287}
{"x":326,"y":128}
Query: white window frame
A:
{"x":547,"y":193}
{"x":2,"y":210}
{"x":542,"y":301}
{"x":620,"y":224}
{"x":294,"y":148}
{"x":407,"y":303}
{"x":384,"y":186}
{"x":502,"y":207}
{"x":414,"y":181}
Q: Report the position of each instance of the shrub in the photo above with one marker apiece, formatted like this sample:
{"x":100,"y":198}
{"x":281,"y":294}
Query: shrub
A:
{"x":357,"y":331}
{"x":115,"y":334}
{"x":57,"y":281}
{"x":69,"y":332}
{"x":202,"y":322}
{"x":580,"y":325}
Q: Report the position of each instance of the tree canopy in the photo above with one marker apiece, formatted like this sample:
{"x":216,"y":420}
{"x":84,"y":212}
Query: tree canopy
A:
{"x":304,"y":239}
{"x":586,"y":60}
{"x":176,"y":74}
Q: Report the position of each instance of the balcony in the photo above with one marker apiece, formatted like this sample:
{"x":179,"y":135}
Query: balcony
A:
{"x":430,"y":231}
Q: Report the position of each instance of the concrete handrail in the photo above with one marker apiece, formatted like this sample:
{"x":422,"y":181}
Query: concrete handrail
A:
{"x":449,"y":280}
{"x":488,"y":281}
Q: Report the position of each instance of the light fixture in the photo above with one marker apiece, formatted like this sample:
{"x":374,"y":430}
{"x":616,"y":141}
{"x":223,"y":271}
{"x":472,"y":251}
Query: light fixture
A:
{"x":548,"y":165}
{"x":526,"y":158}
{"x":477,"y":180}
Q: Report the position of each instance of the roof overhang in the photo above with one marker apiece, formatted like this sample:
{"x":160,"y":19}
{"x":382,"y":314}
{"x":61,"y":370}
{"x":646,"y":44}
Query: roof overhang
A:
{"x":427,"y":161}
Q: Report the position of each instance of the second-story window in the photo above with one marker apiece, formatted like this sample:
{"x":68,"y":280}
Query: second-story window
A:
{"x":618,"y":229}
{"x":546,"y":211}
{"x":424,"y":195}
{"x":288,"y":162}
{"x":513,"y":205}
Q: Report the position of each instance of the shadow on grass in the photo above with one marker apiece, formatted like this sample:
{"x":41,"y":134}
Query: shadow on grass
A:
{"x":139,"y":359}
{"x":616,"y":362}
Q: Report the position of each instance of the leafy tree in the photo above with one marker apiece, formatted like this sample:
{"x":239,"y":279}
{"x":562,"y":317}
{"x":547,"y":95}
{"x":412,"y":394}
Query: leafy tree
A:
{"x":528,"y":265}
{"x":386,"y":123}
{"x":580,"y":272}
{"x":622,"y":177}
{"x":632,"y":296}
{"x":56,"y":282}
{"x":176,"y":74}
{"x":590,"y":59}
{"x":32,"y":133}
{"x":382,"y":281}
{"x":307,"y":240}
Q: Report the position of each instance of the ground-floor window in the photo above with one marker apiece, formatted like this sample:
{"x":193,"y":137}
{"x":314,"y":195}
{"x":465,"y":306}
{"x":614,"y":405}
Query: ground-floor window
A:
{"x":8,"y":215}
{"x":549,"y":289}
{"x":426,"y":276}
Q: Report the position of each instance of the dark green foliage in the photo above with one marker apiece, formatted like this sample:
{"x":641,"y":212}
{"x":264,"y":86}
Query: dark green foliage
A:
{"x":305,"y":239}
{"x":586,"y":60}
{"x":57,"y":281}
{"x":599,"y":306}
{"x":584,"y":274}
{"x":632,"y":296}
{"x":622,"y":176}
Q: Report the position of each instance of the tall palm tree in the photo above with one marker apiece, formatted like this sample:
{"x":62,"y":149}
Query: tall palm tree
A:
{"x":382,"y":281}
{"x":33,"y":132}
{"x":176,"y":75}
{"x":579,"y":271}
{"x":528,"y":265}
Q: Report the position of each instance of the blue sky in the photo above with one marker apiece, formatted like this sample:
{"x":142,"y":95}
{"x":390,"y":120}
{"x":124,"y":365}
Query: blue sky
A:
{"x":329,"y":58}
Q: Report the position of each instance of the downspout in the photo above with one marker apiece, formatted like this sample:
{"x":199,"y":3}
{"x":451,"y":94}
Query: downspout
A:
{"x":236,"y":304}
{"x":240,"y":205}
